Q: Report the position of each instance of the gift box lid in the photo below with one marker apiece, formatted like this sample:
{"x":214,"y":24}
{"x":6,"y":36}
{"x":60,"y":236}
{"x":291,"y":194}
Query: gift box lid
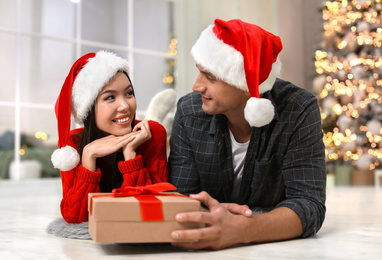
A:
{"x":106,"y":207}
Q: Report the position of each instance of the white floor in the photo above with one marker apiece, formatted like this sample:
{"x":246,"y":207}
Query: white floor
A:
{"x":352,"y":230}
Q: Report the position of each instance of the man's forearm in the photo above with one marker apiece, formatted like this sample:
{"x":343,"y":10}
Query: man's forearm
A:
{"x":279,"y":224}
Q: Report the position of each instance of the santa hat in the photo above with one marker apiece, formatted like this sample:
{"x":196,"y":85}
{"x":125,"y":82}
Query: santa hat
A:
{"x":244,"y":56}
{"x":88,"y":75}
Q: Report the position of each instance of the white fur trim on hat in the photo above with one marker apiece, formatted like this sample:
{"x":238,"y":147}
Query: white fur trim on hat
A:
{"x":259,"y":112}
{"x":223,"y":61}
{"x":96,"y":73}
{"x":65,"y":158}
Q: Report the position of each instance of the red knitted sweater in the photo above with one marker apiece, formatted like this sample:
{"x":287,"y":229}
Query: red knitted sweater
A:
{"x":149,"y":165}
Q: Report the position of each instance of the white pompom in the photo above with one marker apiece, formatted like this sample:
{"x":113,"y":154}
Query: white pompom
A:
{"x":259,"y":112}
{"x":65,"y":158}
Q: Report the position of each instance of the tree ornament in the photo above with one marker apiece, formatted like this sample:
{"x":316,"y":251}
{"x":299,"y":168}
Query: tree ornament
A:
{"x":374,"y":126}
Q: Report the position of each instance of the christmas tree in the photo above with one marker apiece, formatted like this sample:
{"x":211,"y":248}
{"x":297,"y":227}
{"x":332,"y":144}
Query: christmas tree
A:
{"x":349,"y":82}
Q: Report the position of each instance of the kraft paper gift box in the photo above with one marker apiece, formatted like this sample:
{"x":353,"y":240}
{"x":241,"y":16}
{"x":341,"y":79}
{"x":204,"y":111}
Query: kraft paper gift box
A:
{"x":144,"y":218}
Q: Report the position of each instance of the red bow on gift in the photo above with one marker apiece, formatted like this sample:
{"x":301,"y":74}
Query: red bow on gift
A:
{"x":141,"y":190}
{"x":150,"y":206}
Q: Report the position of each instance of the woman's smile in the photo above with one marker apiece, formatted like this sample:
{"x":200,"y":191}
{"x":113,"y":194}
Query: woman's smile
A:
{"x":122,"y":120}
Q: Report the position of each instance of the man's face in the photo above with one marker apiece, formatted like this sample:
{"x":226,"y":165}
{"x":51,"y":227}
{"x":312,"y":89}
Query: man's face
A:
{"x":219,"y":97}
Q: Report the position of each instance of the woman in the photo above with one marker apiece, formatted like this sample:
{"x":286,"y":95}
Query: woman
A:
{"x":113,"y":149}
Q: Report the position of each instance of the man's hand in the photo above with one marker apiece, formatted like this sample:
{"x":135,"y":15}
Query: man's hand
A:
{"x":238,"y":209}
{"x":223,"y":226}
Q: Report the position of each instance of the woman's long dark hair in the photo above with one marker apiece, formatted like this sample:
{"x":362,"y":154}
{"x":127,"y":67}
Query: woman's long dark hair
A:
{"x":90,"y":133}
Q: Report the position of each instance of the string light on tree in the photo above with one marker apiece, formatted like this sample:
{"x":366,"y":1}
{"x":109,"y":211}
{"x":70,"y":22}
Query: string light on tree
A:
{"x":168,"y":77}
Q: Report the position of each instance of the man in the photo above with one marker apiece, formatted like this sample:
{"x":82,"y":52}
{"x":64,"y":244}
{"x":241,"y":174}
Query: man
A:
{"x":245,"y":138}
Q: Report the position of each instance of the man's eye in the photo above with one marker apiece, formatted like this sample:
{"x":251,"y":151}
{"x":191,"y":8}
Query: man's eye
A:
{"x":210,"y":78}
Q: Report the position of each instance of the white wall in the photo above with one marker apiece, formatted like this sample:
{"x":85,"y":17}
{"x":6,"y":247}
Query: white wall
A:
{"x":300,"y":27}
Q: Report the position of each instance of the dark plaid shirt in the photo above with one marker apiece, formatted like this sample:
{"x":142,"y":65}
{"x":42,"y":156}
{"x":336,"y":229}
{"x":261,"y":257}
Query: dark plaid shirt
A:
{"x":284,"y":165}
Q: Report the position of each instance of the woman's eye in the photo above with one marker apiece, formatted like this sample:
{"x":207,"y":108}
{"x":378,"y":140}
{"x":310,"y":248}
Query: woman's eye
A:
{"x":129,"y":93}
{"x":109,"y":98}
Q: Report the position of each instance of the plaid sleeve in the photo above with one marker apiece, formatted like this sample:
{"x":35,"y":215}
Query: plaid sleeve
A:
{"x":304,"y":167}
{"x":183,"y":172}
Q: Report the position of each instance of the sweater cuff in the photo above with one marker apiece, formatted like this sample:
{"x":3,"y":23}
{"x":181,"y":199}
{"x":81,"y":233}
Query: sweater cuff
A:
{"x":131,"y":165}
{"x":89,"y":176}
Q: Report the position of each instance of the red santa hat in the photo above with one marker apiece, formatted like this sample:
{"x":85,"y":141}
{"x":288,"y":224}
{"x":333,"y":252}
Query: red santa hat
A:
{"x":244,"y":56}
{"x":88,"y":75}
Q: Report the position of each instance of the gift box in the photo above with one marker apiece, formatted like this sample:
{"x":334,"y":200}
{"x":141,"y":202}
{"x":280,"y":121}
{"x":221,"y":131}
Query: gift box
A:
{"x":140,"y":216}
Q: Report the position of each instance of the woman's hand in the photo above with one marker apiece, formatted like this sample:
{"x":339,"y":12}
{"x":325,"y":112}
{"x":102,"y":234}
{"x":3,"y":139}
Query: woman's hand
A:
{"x":142,"y":133}
{"x":103,"y":147}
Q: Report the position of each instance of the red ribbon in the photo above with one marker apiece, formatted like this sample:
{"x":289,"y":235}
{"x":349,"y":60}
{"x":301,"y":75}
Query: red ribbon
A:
{"x":140,"y":190}
{"x":150,"y":206}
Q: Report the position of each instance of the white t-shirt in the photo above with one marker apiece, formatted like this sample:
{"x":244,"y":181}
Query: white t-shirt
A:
{"x":239,"y":151}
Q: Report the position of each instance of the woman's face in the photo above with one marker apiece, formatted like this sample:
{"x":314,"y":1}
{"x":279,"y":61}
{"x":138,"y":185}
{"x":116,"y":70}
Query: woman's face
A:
{"x":115,"y":106}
